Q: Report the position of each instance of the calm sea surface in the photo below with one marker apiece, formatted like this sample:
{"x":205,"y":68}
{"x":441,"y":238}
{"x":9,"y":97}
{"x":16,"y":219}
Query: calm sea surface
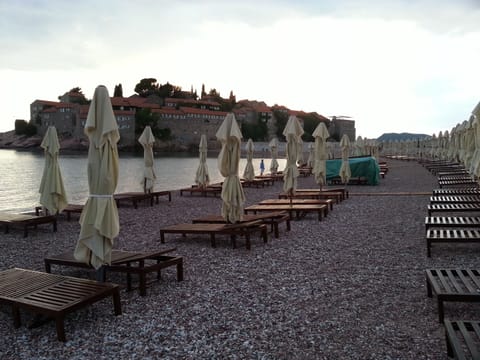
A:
{"x":21,"y":173}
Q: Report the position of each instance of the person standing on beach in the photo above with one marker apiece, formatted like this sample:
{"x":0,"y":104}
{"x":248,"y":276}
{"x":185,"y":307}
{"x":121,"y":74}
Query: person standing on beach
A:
{"x":262,"y":167}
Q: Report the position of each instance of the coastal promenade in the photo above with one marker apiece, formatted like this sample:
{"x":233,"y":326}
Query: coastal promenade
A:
{"x":351,"y":286}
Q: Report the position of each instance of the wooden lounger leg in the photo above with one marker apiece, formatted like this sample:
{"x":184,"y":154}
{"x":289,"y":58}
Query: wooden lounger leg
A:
{"x":275,"y":229}
{"x":180,"y":270}
{"x":162,"y":237}
{"x":265,"y":235}
{"x":59,"y":324}
{"x":212,"y":240}
{"x":129,"y":278}
{"x":117,"y":306}
{"x":247,"y":240}
{"x":16,"y":316}
{"x":429,"y":245}
{"x":440,"y":309}
{"x":142,"y":279}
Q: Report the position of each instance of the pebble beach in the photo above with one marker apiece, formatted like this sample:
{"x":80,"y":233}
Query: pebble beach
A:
{"x":351,"y":286}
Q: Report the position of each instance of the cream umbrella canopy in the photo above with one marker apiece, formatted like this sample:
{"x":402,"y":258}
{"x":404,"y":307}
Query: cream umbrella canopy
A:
{"x":147,"y":140}
{"x":320,"y":166}
{"x":202,"y":178}
{"x":345,"y":172}
{"x":53,"y":196}
{"x":99,"y":219}
{"x":292,"y":132}
{"x":233,"y":197}
{"x":475,"y":164}
{"x":273,"y":145}
{"x":249,"y":172}
{"x":311,"y":155}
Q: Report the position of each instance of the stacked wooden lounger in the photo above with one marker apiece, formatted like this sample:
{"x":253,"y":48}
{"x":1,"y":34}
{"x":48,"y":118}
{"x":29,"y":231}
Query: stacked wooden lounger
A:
{"x":53,"y":296}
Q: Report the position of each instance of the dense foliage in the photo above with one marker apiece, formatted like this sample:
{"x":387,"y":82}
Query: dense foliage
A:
{"x":24,"y":128}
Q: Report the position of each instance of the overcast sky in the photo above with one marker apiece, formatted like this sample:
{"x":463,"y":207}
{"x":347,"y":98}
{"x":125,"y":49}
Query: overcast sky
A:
{"x":392,"y":65}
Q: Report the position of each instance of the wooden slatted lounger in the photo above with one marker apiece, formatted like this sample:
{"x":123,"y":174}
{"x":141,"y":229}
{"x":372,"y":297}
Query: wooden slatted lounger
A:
{"x":452,"y":221}
{"x":328,"y":202}
{"x":336,"y":195}
{"x":344,"y":191}
{"x":463,"y":339}
{"x":461,"y":285}
{"x":51,"y":295}
{"x":451,"y":236}
{"x":432,"y":208}
{"x":209,"y":190}
{"x":457,"y":183}
{"x":272,"y":218}
{"x":461,"y":191}
{"x":129,"y":262}
{"x":25,"y":221}
{"x":232,"y":230}
{"x":295,"y":210}
{"x":136,"y":197}
{"x":455,"y":199}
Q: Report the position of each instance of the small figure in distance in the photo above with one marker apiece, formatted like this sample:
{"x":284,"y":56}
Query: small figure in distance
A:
{"x":262,"y":167}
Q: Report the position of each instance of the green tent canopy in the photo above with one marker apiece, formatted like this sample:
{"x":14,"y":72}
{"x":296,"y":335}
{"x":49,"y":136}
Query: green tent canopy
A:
{"x":366,"y":167}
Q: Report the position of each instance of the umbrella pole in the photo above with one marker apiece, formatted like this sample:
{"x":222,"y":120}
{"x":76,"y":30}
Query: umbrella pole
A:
{"x":100,"y":274}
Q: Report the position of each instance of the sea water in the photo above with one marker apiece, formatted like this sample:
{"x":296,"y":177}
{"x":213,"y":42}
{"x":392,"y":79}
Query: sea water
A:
{"x":21,"y":173}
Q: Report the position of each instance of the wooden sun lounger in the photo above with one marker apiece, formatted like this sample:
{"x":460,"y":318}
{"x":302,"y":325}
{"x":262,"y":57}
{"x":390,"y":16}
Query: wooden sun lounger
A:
{"x":71,"y":208}
{"x":209,"y":190}
{"x":457,"y":183}
{"x":460,"y":285}
{"x":232,"y":230}
{"x":336,"y":195}
{"x":452,"y":221}
{"x":461,"y":191}
{"x":328,"y":202}
{"x":51,"y":295}
{"x":272,"y":218}
{"x":455,"y":199}
{"x":344,"y":191}
{"x":136,"y":197}
{"x":295,"y":210}
{"x":463,"y":339}
{"x":451,"y":236}
{"x":447,"y":208}
{"x":256,"y":182}
{"x":129,"y":262}
{"x":25,"y":221}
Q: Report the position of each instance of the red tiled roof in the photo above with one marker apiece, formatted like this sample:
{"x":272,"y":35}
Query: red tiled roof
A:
{"x":190,"y":110}
{"x":120,"y":101}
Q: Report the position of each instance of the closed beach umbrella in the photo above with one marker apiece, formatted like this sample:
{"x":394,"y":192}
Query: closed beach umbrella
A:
{"x":202,"y":178}
{"x":249,"y":172}
{"x":292,"y":132}
{"x":147,"y":140}
{"x":345,"y":172}
{"x":300,"y":158}
{"x":99,"y":220}
{"x":233,"y":197}
{"x":320,"y":164}
{"x":475,"y":165}
{"x":273,"y":145}
{"x":53,"y":196}
{"x":311,"y":155}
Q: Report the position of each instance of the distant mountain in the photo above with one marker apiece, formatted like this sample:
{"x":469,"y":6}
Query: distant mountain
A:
{"x":401,"y":136}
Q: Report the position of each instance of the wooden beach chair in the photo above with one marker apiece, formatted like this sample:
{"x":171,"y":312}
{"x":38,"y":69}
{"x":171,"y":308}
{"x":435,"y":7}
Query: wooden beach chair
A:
{"x":328,"y":202}
{"x":463,"y":338}
{"x":452,"y":222}
{"x":451,"y":236}
{"x":245,"y":229}
{"x":460,"y":285}
{"x":53,"y":296}
{"x":136,"y":197}
{"x":455,"y":199}
{"x":69,"y":210}
{"x":270,"y":218}
{"x":336,"y":195}
{"x":459,"y":191}
{"x":452,"y":208}
{"x":139,"y":263}
{"x":296,"y":211}
{"x":10,"y":220}
{"x":202,"y":191}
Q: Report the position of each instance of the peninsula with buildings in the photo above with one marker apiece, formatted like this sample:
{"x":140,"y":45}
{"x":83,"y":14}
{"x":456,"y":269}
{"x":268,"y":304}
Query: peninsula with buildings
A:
{"x":178,"y":118}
